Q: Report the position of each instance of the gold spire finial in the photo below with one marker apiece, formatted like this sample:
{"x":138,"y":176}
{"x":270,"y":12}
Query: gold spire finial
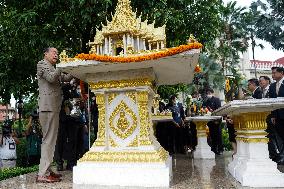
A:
{"x":124,"y":19}
{"x":191,"y":39}
{"x":63,"y":56}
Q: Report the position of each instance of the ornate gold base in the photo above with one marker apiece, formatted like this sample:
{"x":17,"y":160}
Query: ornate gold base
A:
{"x":160,"y":155}
{"x":250,"y":127}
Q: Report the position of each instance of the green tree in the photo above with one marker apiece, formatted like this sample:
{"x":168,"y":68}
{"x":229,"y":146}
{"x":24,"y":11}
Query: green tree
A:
{"x":221,"y":57}
{"x":270,"y":24}
{"x":28,"y":26}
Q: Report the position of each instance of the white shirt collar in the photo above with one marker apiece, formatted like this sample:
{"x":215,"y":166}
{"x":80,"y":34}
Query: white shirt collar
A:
{"x":281,"y":80}
{"x":255,"y":90}
{"x":266,"y":88}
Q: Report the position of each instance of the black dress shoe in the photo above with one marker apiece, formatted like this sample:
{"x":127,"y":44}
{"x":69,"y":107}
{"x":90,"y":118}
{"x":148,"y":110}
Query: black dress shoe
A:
{"x":69,"y":167}
{"x":59,"y":167}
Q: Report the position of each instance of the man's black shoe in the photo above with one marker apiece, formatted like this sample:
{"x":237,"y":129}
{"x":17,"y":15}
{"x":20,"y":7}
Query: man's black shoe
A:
{"x":59,"y":167}
{"x":69,"y":167}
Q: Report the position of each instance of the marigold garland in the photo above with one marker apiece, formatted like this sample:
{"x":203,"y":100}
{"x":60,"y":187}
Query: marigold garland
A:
{"x":140,"y":58}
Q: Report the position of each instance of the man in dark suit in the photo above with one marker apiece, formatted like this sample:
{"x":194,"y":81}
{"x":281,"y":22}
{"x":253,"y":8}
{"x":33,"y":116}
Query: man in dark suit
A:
{"x":264,"y":83}
{"x":277,"y":116}
{"x":213,"y":103}
{"x":253,"y":86}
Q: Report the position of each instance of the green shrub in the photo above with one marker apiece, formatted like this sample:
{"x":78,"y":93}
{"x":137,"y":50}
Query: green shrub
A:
{"x":13,"y":172}
{"x":226,"y":142}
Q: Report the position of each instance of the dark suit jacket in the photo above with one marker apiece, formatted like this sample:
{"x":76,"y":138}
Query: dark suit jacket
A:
{"x":212,"y":103}
{"x":257,"y":93}
{"x":279,"y":114}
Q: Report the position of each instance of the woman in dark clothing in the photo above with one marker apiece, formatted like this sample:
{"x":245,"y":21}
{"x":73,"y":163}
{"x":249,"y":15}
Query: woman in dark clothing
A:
{"x":177,"y":131}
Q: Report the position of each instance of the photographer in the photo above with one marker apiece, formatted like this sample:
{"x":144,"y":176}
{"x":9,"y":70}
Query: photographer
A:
{"x":8,"y":143}
{"x":34,"y":137}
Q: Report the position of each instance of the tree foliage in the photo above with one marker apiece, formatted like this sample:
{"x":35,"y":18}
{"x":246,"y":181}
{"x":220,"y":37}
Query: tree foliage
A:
{"x":271,"y":21}
{"x":28,"y":26}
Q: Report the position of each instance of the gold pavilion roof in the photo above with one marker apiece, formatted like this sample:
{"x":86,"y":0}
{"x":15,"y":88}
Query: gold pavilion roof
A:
{"x":125,"y":21}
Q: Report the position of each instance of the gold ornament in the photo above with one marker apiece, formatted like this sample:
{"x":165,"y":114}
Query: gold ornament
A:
{"x":253,"y":140}
{"x":132,"y":96}
{"x":112,"y":143}
{"x":122,"y":83}
{"x":126,"y":157}
{"x":134,"y":143}
{"x":111,"y":97}
{"x":251,"y":121}
{"x":201,"y":125}
{"x":123,"y":129}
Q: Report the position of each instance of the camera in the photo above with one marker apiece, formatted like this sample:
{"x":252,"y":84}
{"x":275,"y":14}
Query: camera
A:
{"x":7,"y":127}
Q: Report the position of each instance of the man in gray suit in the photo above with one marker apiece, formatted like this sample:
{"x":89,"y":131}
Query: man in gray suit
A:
{"x":50,"y":99}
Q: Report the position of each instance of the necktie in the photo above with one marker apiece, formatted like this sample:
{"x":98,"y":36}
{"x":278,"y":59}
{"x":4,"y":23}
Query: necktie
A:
{"x":263,"y":93}
{"x":277,"y":87}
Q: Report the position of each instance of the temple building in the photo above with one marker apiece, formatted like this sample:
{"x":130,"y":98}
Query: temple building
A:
{"x":127,"y":34}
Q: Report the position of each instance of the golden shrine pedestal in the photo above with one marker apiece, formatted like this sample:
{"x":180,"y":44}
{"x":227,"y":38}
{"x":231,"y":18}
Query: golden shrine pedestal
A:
{"x":203,"y":150}
{"x":126,"y":152}
{"x":251,"y":165}
{"x":126,"y":62}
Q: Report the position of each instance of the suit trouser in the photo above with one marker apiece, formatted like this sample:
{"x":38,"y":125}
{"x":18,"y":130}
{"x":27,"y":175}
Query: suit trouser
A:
{"x":279,"y":125}
{"x":49,"y":122}
{"x":215,"y":131}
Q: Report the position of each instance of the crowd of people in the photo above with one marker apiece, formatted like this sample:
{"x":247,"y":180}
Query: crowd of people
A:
{"x":179,"y":135}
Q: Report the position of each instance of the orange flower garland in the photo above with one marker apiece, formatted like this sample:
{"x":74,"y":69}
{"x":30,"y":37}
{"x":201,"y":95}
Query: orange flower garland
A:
{"x":140,"y":58}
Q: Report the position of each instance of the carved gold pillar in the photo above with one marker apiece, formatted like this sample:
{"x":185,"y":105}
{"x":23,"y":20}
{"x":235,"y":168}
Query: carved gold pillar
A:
{"x":100,"y":142}
{"x":143,"y":99}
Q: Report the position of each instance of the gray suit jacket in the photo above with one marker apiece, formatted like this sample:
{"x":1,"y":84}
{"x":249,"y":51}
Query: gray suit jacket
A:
{"x":50,"y":93}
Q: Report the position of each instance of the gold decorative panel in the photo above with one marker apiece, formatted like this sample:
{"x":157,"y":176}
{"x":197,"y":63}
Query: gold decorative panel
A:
{"x":112,"y":143}
{"x":123,"y":128}
{"x":132,"y":96}
{"x":134,"y":143}
{"x":111,"y":97}
{"x":251,"y":121}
